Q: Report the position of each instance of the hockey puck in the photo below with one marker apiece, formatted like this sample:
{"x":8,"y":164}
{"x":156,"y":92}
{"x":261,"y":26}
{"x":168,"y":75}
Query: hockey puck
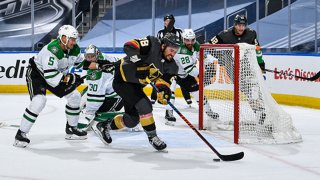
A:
{"x":216,"y":160}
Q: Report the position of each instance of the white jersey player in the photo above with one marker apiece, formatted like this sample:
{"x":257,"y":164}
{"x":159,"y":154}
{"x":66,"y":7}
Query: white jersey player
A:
{"x":49,"y":70}
{"x":186,"y":58}
{"x":103,"y":104}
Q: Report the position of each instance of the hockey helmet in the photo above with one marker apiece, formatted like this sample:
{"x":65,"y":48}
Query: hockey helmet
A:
{"x":171,"y":40}
{"x":68,"y":31}
{"x":91,"y":51}
{"x":188,"y":34}
{"x":168,"y":16}
{"x":240,"y":19}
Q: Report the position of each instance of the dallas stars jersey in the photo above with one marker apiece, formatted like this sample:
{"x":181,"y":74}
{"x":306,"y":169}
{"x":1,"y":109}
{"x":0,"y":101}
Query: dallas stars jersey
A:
{"x":99,"y":86}
{"x":53,"y":62}
{"x":187,"y":59}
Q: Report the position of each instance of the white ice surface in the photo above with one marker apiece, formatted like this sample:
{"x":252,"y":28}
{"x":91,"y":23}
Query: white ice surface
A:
{"x":50,"y":156}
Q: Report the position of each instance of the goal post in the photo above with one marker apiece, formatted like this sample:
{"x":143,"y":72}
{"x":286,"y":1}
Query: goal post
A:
{"x":232,"y":85}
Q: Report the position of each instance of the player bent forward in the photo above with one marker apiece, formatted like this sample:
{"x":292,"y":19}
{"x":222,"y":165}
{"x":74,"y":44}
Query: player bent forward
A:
{"x":147,"y":59}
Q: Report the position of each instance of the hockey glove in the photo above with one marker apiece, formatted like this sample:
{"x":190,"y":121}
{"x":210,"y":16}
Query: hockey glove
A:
{"x":105,"y":66}
{"x":68,"y":84}
{"x":72,"y":79}
{"x":164,"y":93}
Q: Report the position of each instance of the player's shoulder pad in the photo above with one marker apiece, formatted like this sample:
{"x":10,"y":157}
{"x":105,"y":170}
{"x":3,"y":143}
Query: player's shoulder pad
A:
{"x":251,"y":30}
{"x":55,"y":48}
{"x":196,"y":46}
{"x":75,"y":51}
{"x":183,"y":49}
{"x":146,"y":43}
{"x":179,"y":30}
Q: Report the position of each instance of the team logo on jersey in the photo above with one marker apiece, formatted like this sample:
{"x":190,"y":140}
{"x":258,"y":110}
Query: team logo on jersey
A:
{"x":54,"y":50}
{"x":184,"y":50}
{"x":93,"y":75}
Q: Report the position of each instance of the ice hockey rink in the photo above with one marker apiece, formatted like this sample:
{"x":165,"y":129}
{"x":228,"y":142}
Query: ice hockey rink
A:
{"x":130,"y":156}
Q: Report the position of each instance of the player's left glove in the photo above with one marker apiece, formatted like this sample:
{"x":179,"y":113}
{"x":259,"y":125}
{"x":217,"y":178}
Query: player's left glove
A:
{"x":105,"y":66}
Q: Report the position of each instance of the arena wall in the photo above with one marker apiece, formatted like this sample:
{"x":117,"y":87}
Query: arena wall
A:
{"x":285,"y":89}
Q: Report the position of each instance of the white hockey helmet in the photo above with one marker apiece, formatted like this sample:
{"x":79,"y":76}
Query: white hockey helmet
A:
{"x":188,"y":35}
{"x":91,"y":51}
{"x":68,"y":31}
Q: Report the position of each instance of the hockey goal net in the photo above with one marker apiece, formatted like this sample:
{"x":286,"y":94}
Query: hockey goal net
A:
{"x":232,"y":85}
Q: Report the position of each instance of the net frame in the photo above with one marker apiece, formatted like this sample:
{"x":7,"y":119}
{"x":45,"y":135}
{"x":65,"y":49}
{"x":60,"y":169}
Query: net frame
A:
{"x":234,"y":47}
{"x":245,"y":126}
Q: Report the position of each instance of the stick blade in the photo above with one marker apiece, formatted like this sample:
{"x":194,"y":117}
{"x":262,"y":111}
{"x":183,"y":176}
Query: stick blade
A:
{"x":315,"y":77}
{"x":231,"y":157}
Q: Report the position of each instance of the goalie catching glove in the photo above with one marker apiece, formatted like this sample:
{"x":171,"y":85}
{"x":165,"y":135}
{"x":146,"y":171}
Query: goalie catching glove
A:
{"x":164,"y":92}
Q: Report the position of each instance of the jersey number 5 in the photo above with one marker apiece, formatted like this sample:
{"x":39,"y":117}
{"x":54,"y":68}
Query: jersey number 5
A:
{"x":51,"y":61}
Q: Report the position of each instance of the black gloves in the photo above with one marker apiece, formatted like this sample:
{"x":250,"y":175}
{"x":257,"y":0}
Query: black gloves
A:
{"x":72,"y":79}
{"x":105,"y":66}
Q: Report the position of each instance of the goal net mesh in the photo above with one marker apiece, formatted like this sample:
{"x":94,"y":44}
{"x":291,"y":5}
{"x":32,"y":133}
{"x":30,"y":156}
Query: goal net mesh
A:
{"x":233,"y":86}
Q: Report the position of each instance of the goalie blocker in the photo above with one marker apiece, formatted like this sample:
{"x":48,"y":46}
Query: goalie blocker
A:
{"x":234,"y":86}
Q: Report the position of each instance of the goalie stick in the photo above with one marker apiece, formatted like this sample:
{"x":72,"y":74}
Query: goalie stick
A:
{"x":230,"y":157}
{"x":315,"y":77}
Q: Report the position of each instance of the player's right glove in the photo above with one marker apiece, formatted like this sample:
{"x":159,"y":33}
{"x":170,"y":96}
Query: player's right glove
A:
{"x":72,"y":79}
{"x":164,"y":92}
{"x":67,"y":84}
{"x":105,"y":66}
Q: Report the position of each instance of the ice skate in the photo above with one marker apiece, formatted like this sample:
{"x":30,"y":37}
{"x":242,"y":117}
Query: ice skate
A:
{"x":170,"y":119}
{"x":157,"y":143}
{"x":189,"y":102}
{"x":21,"y":139}
{"x":74,"y":133}
{"x":102,"y":129}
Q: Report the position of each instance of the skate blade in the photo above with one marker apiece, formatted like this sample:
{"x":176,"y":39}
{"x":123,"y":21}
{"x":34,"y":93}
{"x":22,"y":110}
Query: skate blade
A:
{"x":20,"y":144}
{"x":97,"y":132}
{"x":169,"y":123}
{"x":162,"y":151}
{"x":75,"y":137}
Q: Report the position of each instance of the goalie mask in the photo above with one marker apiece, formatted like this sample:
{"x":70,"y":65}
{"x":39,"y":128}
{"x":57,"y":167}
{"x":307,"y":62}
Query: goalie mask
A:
{"x":91,"y":53}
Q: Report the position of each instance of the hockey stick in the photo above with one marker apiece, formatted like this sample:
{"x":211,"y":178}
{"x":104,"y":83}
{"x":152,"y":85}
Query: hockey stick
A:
{"x":231,"y":157}
{"x":315,"y":77}
{"x":3,"y":124}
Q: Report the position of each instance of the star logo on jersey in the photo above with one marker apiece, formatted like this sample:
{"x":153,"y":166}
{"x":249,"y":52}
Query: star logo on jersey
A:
{"x":93,"y":75}
{"x":184,"y":51}
{"x":54,"y":49}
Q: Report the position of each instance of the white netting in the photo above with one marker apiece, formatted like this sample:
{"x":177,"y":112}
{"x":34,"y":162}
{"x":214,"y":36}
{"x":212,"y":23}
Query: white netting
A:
{"x":261,"y":119}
